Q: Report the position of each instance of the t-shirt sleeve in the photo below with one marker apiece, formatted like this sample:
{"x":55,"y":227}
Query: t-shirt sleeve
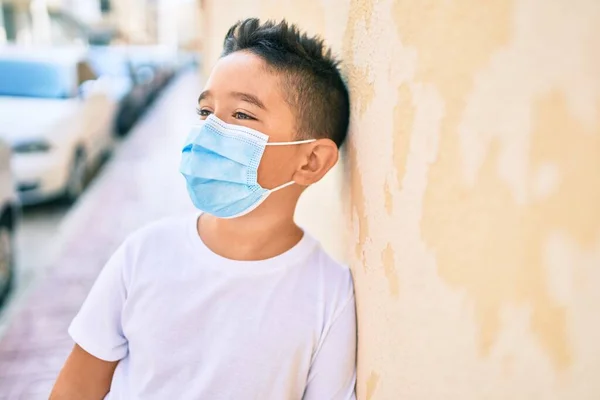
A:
{"x":332,"y":375}
{"x":97,"y":327}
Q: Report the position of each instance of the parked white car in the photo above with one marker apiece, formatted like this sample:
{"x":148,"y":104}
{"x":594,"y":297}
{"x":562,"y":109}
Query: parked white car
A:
{"x":57,"y":116}
{"x":9,"y":213}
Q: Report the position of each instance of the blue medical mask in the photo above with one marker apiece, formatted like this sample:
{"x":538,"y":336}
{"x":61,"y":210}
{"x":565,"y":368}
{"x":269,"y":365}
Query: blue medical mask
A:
{"x":220,"y":164}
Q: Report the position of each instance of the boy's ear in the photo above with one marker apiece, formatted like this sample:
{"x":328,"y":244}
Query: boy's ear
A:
{"x":321,"y":156}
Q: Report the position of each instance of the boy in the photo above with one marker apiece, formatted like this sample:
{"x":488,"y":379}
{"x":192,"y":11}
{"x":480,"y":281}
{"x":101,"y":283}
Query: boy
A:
{"x":236,"y":302}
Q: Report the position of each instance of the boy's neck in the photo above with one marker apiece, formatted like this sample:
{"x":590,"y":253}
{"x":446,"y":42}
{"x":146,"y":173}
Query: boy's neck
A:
{"x":257,"y":236}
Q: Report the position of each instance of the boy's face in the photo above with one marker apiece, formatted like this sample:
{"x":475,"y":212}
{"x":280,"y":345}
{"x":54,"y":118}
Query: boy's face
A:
{"x":241,"y":90}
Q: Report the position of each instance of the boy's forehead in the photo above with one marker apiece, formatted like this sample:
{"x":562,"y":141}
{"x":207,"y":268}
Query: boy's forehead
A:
{"x":246,"y":73}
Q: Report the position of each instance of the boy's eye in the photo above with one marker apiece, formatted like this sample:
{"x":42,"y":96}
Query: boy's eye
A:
{"x":241,"y":115}
{"x":203,"y":112}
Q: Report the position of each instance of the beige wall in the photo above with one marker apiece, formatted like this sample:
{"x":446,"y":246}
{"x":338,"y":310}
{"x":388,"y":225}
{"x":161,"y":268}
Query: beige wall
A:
{"x":472,"y":180}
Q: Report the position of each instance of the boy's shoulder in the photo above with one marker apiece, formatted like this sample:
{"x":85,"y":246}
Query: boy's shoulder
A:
{"x":331,"y":266}
{"x":178,"y":233}
{"x":160,"y":232}
{"x":334,"y":276}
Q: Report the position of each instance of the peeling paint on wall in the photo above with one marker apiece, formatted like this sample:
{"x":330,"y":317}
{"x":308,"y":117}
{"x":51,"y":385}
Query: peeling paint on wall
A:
{"x":404,"y":116}
{"x":372,"y":384}
{"x":358,"y":73}
{"x":389,"y":262}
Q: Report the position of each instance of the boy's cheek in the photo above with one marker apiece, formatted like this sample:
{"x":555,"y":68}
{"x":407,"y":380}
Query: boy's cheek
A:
{"x":276,"y":167}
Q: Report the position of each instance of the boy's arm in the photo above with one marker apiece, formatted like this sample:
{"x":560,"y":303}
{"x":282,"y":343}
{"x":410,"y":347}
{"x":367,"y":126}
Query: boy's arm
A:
{"x":83,"y":377}
{"x":332,"y":375}
{"x":98,"y":333}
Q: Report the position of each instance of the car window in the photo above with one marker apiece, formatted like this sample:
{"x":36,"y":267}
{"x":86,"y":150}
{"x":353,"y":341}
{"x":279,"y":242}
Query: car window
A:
{"x":30,"y":78}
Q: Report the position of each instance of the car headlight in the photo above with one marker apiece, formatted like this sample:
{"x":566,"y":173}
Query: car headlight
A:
{"x":35,"y":146}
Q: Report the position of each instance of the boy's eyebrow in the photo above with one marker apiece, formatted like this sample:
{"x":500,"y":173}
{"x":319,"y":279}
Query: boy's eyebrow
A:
{"x":204,"y":95}
{"x":249,"y":98}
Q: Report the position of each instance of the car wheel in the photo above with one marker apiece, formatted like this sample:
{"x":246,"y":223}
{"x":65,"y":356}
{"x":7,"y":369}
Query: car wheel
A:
{"x":77,"y":177}
{"x":6,"y":261}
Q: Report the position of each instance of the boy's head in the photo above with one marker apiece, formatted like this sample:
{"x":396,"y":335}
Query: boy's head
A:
{"x":285,"y":84}
{"x":308,"y":73}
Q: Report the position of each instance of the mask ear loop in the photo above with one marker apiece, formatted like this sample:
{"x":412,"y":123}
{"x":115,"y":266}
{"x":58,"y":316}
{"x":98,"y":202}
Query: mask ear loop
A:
{"x":287,"y":144}
{"x":290,"y":183}
{"x":290,"y":143}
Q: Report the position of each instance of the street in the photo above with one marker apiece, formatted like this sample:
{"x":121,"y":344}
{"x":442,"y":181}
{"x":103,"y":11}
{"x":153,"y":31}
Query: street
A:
{"x":61,"y":249}
{"x":35,"y":239}
{"x":36,"y":245}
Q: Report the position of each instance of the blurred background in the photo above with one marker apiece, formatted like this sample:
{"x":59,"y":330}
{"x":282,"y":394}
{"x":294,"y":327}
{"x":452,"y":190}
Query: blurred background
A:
{"x":77,"y":77}
{"x":467,"y":199}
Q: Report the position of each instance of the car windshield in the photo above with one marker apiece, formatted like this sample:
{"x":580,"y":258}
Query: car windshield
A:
{"x":35,"y":79}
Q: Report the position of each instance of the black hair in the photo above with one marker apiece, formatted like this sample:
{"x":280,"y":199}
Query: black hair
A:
{"x":313,"y":85}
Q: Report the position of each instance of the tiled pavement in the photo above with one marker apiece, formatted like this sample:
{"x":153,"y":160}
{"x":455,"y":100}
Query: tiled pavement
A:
{"x":139,"y":184}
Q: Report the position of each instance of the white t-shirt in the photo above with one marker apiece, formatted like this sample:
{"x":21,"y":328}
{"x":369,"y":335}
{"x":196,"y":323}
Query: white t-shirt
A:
{"x":187,"y":323}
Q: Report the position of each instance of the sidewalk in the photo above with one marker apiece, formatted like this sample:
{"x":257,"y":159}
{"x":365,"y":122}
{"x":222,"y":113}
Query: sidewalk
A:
{"x":140,"y":184}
